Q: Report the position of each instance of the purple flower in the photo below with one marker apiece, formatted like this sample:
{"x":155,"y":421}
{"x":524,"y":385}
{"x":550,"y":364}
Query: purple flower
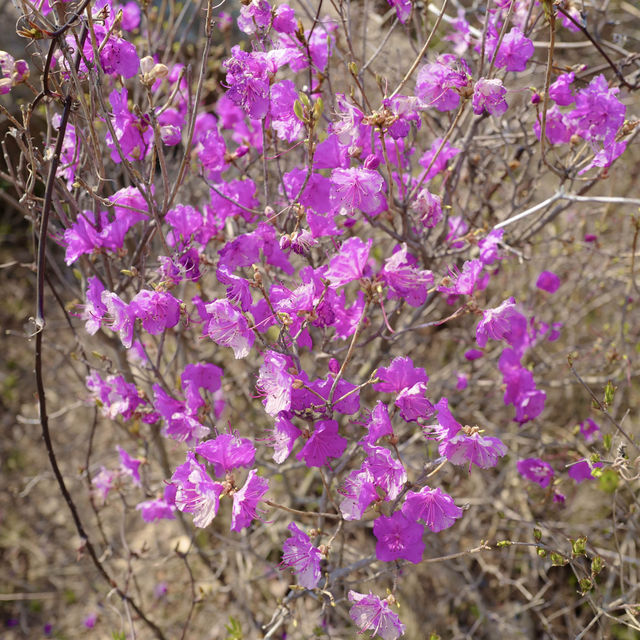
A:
{"x":483,"y":451}
{"x":95,"y":309}
{"x":439,"y":83}
{"x":560,"y":92}
{"x":379,"y":424}
{"x":226,"y":452}
{"x":349,"y":263}
{"x":357,"y":188}
{"x":462,"y":282}
{"x":129,"y":465}
{"x":398,"y":538}
{"x":489,"y":95}
{"x":370,"y":613}
{"x":284,"y":19}
{"x":324,"y":443}
{"x":404,"y":280}
{"x":429,"y":207}
{"x":548,"y":281}
{"x":536,"y":470}
{"x":496,"y":323}
{"x":245,"y":501}
{"x":514,"y":52}
{"x":160,"y":509}
{"x":158,"y":310}
{"x":228,"y":327}
{"x":447,"y":153}
{"x":413,"y":404}
{"x":403,"y":9}
{"x":489,"y":246}
{"x":359,"y":492}
{"x":590,"y":430}
{"x":399,"y":375}
{"x":203,"y":375}
{"x":388,"y":474}
{"x":282,"y":438}
{"x":582,"y":470}
{"x":598,"y":113}
{"x":248,"y":82}
{"x":196,"y":492}
{"x":122,"y":317}
{"x":433,"y":506}
{"x":275,"y":382}
{"x":299,"y":554}
{"x":90,"y":621}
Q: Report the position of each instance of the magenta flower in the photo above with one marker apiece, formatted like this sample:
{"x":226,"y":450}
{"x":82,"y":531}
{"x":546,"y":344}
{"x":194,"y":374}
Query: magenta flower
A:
{"x":560,"y":91}
{"x":496,"y":323}
{"x":447,"y":426}
{"x":284,"y":19}
{"x":403,"y":9}
{"x":122,"y":317}
{"x":413,"y":403}
{"x":433,"y":506}
{"x":483,"y":451}
{"x":245,"y":501}
{"x":195,"y":377}
{"x":379,"y":424}
{"x":349,"y":263}
{"x":275,"y":382}
{"x":388,"y":474}
{"x":359,"y":492}
{"x":158,"y":310}
{"x":226,"y":326}
{"x":248,"y":82}
{"x":282,"y":438}
{"x":299,"y":554}
{"x":357,"y":188}
{"x":439,"y":83}
{"x":398,"y":538}
{"x":130,"y":466}
{"x":489,"y":95}
{"x":160,"y":509}
{"x":582,"y":470}
{"x":489,"y":246}
{"x":404,"y":280}
{"x":548,"y":281}
{"x":462,"y":282}
{"x":515,"y":51}
{"x":226,"y":452}
{"x":196,"y":492}
{"x":441,"y":161}
{"x":399,"y":375}
{"x":370,"y":613}
{"x":324,"y":443}
{"x":95,"y":309}
{"x":536,"y":470}
{"x":428,"y":207}
{"x":590,"y":430}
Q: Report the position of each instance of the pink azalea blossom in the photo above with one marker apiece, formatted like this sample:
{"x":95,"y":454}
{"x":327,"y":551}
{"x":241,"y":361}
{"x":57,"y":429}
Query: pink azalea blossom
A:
{"x":275,"y":382}
{"x":433,"y":506}
{"x":324,"y":443}
{"x":349,"y":263}
{"x":398,"y":538}
{"x":196,"y":492}
{"x":370,"y":613}
{"x":245,"y":501}
{"x":299,"y":554}
{"x":228,"y":327}
{"x":536,"y":470}
{"x":227,"y":452}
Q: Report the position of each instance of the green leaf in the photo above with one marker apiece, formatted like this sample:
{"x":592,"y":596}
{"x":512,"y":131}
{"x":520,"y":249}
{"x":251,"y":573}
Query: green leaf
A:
{"x":537,"y":535}
{"x":579,"y":546}
{"x":235,"y":629}
{"x":609,"y":393}
{"x":597,"y":565}
{"x":608,"y":481}
{"x":558,"y":560}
